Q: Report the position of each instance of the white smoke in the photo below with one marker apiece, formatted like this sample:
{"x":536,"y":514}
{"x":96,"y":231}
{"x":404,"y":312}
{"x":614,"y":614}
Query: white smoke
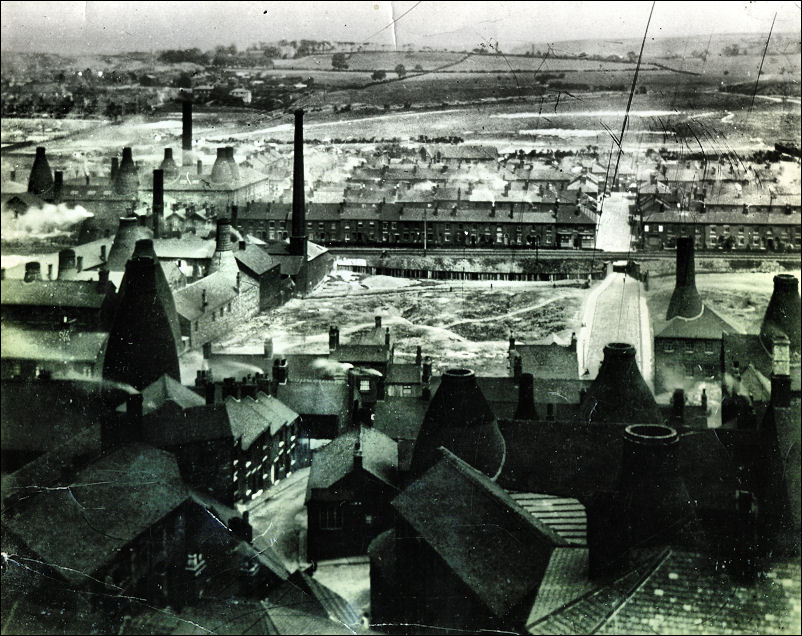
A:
{"x":47,"y":222}
{"x":330,"y":368}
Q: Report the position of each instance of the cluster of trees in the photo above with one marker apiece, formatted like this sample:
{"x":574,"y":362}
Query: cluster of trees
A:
{"x":177,"y":56}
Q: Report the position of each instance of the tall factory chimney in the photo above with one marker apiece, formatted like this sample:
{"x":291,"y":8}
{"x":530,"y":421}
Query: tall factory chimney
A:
{"x":158,"y":202}
{"x":685,"y":301}
{"x":58,"y":186}
{"x":40,"y":182}
{"x":186,"y":132}
{"x":298,"y":236}
{"x":115,"y":168}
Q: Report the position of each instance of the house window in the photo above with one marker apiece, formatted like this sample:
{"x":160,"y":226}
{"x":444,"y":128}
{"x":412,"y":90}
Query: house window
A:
{"x":709,"y":346}
{"x":668,"y":347}
{"x":646,"y":228}
{"x":364,"y":386}
{"x":659,"y":228}
{"x":331,"y":517}
{"x":689,"y":346}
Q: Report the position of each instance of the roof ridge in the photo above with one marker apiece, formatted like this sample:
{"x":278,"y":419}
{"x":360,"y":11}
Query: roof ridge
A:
{"x":491,"y":488}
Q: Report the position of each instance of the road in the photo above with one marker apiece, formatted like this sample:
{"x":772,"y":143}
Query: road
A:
{"x":613,"y":233}
{"x":615,"y":312}
{"x":277,"y":518}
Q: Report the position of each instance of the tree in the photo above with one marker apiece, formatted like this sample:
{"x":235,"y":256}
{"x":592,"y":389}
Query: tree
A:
{"x":418,"y":68}
{"x":338,"y":61}
{"x":731,"y":50}
{"x":632,"y":57}
{"x":378,"y":75}
{"x":401,"y":70}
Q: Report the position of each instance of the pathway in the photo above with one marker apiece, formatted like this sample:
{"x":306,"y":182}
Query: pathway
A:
{"x":615,"y":312}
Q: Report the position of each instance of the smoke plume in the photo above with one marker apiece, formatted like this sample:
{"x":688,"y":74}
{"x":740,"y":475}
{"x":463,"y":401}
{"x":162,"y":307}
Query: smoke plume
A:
{"x":49,"y":221}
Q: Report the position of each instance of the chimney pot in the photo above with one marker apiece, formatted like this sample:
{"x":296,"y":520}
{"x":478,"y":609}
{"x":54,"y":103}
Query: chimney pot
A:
{"x":378,"y":320}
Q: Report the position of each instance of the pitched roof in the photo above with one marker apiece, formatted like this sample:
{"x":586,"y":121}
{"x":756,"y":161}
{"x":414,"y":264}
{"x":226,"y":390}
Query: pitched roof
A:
{"x":708,"y":326}
{"x":549,"y":361}
{"x":495,"y":547}
{"x":335,"y":460}
{"x":41,"y":415}
{"x":254,"y":258}
{"x":273,"y":411}
{"x":53,"y":293}
{"x":691,"y":595}
{"x":247,"y":423}
{"x":81,"y":527}
{"x":315,"y":397}
{"x":166,"y":389}
{"x":220,"y":289}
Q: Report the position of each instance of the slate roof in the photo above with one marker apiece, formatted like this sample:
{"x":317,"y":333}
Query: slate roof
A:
{"x":488,"y":541}
{"x":108,"y":504}
{"x":400,"y":417}
{"x":356,"y":353}
{"x":684,"y":594}
{"x":549,"y":361}
{"x":275,"y":412}
{"x":725,"y":216}
{"x":315,"y":397}
{"x":255,"y":259}
{"x":404,"y":373}
{"x":220,"y":289}
{"x":335,"y":460}
{"x":41,"y":415}
{"x":166,"y":389}
{"x":240,"y":420}
{"x":709,"y":326}
{"x":566,"y":516}
{"x":587,"y":612}
{"x":52,"y":293}
{"x":52,"y":346}
{"x":247,"y":423}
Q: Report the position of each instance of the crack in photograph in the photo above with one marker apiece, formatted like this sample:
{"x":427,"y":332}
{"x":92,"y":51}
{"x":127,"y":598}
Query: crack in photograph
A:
{"x":400,"y":317}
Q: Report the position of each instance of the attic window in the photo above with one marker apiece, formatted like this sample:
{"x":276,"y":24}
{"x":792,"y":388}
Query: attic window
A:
{"x":364,"y":386}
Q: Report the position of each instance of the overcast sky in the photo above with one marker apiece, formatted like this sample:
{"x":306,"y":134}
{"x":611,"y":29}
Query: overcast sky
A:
{"x":78,"y":27}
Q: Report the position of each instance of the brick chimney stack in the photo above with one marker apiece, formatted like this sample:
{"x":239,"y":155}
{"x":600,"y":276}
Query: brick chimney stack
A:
{"x":298,"y":235}
{"x":158,"y":202}
{"x":186,"y":132}
{"x":685,"y":301}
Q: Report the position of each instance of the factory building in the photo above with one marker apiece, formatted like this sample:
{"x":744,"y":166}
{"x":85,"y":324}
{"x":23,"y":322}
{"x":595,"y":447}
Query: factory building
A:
{"x":687,"y":343}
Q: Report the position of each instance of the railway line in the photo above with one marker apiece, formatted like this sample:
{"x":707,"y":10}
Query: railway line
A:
{"x":553,"y":254}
